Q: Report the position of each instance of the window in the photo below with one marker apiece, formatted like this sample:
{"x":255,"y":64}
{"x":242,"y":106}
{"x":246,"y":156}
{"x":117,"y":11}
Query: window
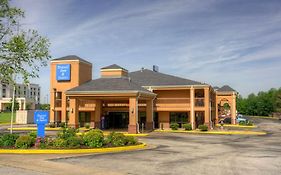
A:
{"x":179,"y":117}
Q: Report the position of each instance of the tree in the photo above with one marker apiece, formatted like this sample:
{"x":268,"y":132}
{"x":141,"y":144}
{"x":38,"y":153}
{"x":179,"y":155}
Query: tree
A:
{"x":278,"y":101}
{"x":262,"y":104}
{"x":22,"y":53}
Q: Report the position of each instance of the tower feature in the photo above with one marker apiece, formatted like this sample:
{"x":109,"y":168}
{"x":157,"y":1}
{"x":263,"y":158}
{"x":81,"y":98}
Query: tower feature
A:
{"x":66,"y":73}
{"x":113,"y":71}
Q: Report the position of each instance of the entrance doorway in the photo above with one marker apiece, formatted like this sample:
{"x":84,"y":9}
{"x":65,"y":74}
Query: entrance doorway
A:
{"x":116,"y":120}
{"x":199,"y":118}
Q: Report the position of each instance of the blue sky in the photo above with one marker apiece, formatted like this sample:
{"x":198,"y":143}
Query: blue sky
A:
{"x":234,"y":42}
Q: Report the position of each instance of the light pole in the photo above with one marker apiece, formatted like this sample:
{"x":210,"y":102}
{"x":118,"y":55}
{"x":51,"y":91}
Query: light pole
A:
{"x":13,"y":105}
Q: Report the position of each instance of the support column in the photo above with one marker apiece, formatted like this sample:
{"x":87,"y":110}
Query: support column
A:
{"x":217,"y":113}
{"x":149,"y":115}
{"x":233,"y":109}
{"x":133,"y":116}
{"x":20,"y":105}
{"x":192,"y":113}
{"x":73,"y":116}
{"x":207,"y":106}
{"x":98,"y":112}
{"x":63,"y":107}
{"x":164,"y":120}
{"x":92,"y":120}
{"x":52,"y":106}
{"x":24,"y":104}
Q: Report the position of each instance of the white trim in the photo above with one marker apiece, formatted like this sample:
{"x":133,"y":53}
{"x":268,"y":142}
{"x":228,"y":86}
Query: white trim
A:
{"x":105,"y":69}
{"x":175,"y":86}
{"x":59,"y":61}
{"x":105,"y":92}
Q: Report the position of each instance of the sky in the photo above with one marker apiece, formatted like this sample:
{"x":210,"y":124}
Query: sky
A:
{"x":234,"y":42}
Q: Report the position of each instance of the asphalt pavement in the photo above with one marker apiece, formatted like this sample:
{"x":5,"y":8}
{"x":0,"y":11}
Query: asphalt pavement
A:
{"x":172,"y":153}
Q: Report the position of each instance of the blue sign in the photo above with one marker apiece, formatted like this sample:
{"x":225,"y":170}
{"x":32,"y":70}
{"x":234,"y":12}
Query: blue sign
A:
{"x":41,"y":118}
{"x":63,"y":72}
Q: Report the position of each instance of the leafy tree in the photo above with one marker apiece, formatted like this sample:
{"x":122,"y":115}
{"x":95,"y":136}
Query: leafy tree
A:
{"x":262,"y":104}
{"x":45,"y":106}
{"x":22,"y":53}
{"x":278,"y":101}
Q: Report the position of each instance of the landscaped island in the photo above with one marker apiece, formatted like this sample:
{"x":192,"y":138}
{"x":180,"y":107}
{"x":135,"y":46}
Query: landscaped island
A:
{"x":68,"y":138}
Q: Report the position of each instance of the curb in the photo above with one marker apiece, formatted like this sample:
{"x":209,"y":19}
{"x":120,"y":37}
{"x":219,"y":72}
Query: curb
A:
{"x":237,"y":126}
{"x":218,"y":132}
{"x":73,"y":151}
{"x":35,"y":129}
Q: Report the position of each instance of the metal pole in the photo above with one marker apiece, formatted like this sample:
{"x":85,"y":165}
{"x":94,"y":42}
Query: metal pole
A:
{"x":13,"y":106}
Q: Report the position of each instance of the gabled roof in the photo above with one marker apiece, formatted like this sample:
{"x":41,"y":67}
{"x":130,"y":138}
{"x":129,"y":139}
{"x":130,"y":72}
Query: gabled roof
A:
{"x":114,"y":66}
{"x":146,"y":77}
{"x":226,"y":88}
{"x":71,"y":57}
{"x":109,"y":85}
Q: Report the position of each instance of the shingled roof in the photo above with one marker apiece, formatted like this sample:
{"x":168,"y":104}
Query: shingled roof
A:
{"x":71,"y":57}
{"x":146,"y":77}
{"x":114,"y":66}
{"x":109,"y":85}
{"x":226,"y":88}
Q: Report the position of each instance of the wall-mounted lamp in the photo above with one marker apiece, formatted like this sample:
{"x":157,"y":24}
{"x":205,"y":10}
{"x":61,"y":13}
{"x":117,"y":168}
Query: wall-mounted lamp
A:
{"x":71,"y":110}
{"x":132,"y":110}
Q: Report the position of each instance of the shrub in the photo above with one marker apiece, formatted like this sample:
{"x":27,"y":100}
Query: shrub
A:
{"x":203,"y":127}
{"x":246,"y":123}
{"x":242,"y":123}
{"x":94,"y":138}
{"x":116,"y":139}
{"x":63,"y":125}
{"x":174,"y":126}
{"x":60,"y":143}
{"x":87,"y":125}
{"x":33,"y":135}
{"x":74,"y":142}
{"x":24,"y":141}
{"x":67,"y":132}
{"x":52,"y":125}
{"x":250,"y":123}
{"x":130,"y":140}
{"x":8,"y":140}
{"x":187,"y":126}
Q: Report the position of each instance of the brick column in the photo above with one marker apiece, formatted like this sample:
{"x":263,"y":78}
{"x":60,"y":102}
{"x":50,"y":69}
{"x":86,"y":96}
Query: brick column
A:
{"x":217,"y":112}
{"x":149,"y":115}
{"x":164,"y":120}
{"x":92,"y":120}
{"x":207,"y":106}
{"x":63,"y":107}
{"x":192,"y":116}
{"x":233,"y":109}
{"x":133,"y":115}
{"x":74,"y":113}
{"x":98,"y":112}
{"x":52,"y":105}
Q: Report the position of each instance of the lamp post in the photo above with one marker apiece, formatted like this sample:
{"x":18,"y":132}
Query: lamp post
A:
{"x":13,"y":106}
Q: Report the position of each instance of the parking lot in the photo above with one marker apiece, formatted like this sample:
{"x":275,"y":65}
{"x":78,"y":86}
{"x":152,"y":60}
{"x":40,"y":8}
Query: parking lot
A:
{"x":171,"y":153}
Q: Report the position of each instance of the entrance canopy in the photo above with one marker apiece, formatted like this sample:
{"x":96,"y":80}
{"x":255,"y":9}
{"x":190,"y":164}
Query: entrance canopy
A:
{"x":105,"y":95}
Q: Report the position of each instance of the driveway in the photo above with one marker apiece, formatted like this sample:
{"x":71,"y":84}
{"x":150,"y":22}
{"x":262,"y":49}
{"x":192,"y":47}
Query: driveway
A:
{"x":174,"y":153}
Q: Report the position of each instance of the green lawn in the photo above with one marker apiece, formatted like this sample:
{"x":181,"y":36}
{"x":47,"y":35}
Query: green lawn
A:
{"x":5,"y":117}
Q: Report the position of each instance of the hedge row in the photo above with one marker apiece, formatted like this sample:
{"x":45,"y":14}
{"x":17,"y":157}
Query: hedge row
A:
{"x":67,"y":138}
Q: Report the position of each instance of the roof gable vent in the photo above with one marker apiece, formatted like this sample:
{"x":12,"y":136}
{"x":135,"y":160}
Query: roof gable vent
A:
{"x":155,"y":68}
